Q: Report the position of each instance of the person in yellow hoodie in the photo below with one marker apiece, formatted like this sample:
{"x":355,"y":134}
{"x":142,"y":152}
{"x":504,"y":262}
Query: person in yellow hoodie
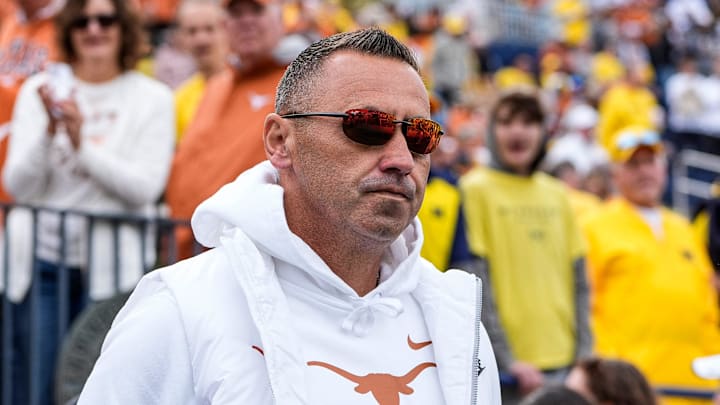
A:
{"x":529,"y":252}
{"x":653,"y":303}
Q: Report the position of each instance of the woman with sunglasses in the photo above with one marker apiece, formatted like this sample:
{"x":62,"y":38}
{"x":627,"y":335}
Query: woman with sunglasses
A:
{"x":95,"y":138}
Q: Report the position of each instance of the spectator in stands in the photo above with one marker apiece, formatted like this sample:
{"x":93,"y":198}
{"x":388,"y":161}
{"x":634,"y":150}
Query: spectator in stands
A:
{"x":453,"y":59}
{"x":27,"y":44}
{"x":599,"y":182}
{"x":610,"y":382}
{"x":574,"y":154}
{"x":686,"y":103}
{"x":582,"y":202}
{"x":529,"y":251}
{"x":519,"y":74}
{"x":169,"y":62}
{"x":711,"y":119}
{"x":627,"y":103}
{"x":104,"y":146}
{"x":315,"y":292}
{"x":687,"y":17}
{"x":577,"y":143}
{"x":441,"y":214}
{"x":202,"y":29}
{"x":556,"y":395}
{"x":223,"y":140}
{"x":574,"y":18}
{"x":654,"y":304}
{"x":606,"y":70}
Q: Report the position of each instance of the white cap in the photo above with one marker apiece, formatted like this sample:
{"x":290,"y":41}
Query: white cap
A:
{"x":707,"y":367}
{"x":580,"y":116}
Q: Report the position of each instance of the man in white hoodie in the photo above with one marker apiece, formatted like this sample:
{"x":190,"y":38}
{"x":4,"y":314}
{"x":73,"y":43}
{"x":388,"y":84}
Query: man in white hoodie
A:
{"x":315,"y":292}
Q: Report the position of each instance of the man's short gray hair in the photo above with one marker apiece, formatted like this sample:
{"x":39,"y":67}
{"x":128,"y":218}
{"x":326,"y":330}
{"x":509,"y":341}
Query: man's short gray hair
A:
{"x":295,"y":88}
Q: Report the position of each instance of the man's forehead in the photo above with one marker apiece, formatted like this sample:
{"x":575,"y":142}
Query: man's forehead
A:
{"x":371,"y":70}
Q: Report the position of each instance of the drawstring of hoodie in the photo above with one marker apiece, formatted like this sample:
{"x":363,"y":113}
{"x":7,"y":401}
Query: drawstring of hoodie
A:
{"x":362,"y":318}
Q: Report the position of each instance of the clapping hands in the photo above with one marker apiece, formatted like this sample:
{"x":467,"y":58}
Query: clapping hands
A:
{"x":62,"y":113}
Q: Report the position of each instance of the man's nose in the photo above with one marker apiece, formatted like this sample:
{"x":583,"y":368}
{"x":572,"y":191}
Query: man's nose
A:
{"x":396,"y":155}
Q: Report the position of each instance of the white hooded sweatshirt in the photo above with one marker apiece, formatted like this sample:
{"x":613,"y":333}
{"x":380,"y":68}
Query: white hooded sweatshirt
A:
{"x":261,"y":319}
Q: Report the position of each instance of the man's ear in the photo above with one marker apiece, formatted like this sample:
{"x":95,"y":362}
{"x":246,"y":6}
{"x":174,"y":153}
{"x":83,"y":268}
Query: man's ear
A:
{"x":278,"y":138}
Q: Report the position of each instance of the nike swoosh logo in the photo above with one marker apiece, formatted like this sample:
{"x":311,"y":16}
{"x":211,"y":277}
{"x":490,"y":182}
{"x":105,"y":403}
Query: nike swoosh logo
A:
{"x":418,"y":345}
{"x":259,"y":350}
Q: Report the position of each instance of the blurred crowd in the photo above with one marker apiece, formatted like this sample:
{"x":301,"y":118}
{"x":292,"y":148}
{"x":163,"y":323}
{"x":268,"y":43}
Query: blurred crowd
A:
{"x":553,"y":111}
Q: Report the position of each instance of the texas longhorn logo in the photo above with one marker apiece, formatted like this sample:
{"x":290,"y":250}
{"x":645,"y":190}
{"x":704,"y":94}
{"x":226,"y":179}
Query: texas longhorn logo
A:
{"x":385,"y":388}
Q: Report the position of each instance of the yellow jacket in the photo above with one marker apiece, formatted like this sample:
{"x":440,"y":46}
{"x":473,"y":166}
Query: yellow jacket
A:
{"x":439,"y":217}
{"x":653,"y":301}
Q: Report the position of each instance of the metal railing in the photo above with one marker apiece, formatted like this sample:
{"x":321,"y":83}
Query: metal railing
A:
{"x":687,"y":187}
{"x":157,"y":247}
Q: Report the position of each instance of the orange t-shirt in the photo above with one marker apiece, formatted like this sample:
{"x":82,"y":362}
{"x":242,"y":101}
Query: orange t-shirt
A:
{"x":223,"y":140}
{"x":25,"y":49}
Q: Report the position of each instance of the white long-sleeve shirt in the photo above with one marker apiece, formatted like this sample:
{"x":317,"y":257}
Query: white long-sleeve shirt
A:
{"x":121,"y":167}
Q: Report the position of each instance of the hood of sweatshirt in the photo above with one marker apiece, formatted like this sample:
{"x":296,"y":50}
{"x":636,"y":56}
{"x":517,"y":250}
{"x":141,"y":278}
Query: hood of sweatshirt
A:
{"x":253,"y":203}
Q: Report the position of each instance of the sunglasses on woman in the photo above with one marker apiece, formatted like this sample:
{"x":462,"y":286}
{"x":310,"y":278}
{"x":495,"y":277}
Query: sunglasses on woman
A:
{"x":103,"y":20}
{"x":371,"y":128}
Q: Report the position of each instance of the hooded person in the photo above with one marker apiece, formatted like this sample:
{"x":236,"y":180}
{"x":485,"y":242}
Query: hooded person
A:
{"x":528,"y":251}
{"x":314,"y":291}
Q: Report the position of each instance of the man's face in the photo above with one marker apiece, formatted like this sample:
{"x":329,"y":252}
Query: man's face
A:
{"x":372,"y":192}
{"x":642,"y":178}
{"x":518,"y":141}
{"x":254,"y":30}
{"x":203,"y":32}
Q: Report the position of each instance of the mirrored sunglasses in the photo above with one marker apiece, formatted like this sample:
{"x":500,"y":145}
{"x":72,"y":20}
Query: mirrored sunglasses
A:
{"x":103,"y":20}
{"x":368,"y":127}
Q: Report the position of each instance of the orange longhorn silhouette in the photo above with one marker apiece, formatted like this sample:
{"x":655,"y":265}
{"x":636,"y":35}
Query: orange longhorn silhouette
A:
{"x":385,"y":388}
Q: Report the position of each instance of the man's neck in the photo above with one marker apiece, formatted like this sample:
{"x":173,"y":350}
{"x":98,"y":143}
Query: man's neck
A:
{"x":356,"y":260}
{"x":357,"y":266}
